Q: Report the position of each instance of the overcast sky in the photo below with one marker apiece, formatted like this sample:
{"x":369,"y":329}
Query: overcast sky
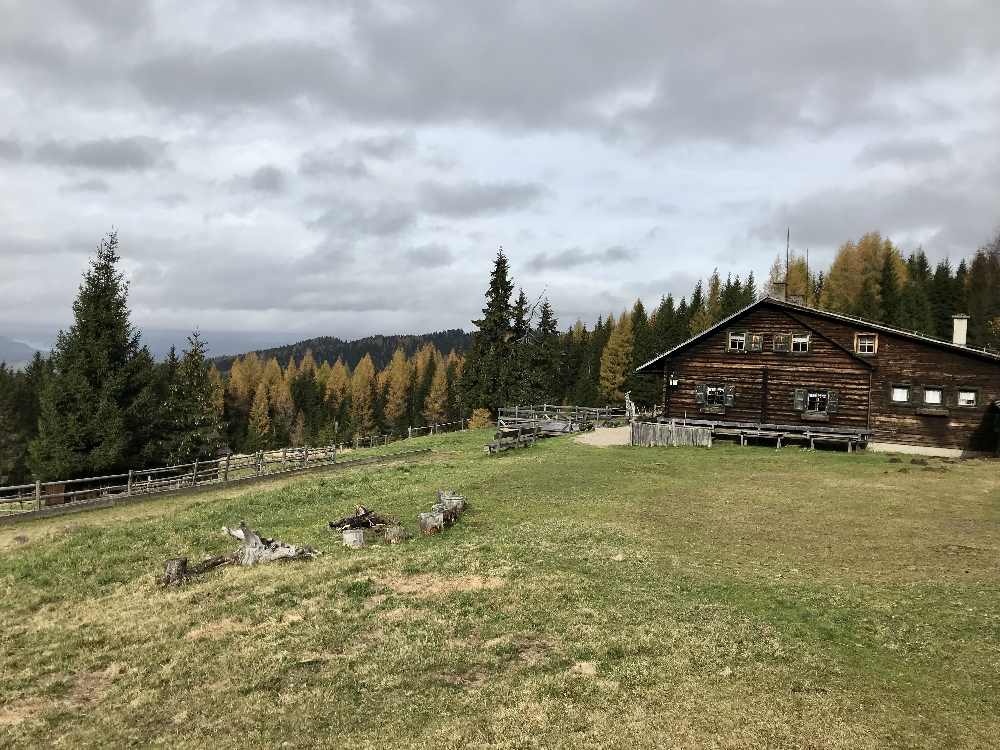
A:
{"x":301,"y":167}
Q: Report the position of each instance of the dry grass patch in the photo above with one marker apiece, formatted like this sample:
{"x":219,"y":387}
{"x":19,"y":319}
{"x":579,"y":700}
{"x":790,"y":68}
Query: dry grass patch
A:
{"x":426,"y":584}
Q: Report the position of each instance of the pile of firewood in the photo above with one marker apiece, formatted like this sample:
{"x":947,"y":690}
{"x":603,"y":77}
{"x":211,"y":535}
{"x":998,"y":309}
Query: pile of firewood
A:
{"x":364,"y":524}
{"x":443,"y":513}
{"x":254,"y":550}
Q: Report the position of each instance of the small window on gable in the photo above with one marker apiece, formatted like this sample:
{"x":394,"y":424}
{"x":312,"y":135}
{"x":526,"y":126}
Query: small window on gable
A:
{"x":782,"y":342}
{"x":737,"y":341}
{"x":967,"y":398}
{"x":933,"y":396}
{"x":756,"y":342}
{"x":900,"y":394}
{"x":866,"y":343}
{"x":800,"y":343}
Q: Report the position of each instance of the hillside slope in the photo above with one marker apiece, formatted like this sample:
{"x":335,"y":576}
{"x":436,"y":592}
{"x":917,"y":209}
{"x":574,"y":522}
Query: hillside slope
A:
{"x":381,"y":348}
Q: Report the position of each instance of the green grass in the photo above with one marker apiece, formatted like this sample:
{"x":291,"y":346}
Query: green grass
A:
{"x":610,"y":597}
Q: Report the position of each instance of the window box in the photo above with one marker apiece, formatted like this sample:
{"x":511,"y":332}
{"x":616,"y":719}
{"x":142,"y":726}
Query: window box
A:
{"x":932,"y":411}
{"x":816,"y":416}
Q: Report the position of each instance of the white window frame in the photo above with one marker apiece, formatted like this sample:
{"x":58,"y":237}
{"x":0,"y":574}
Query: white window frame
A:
{"x":715,"y":391}
{"x":799,"y":338}
{"x":739,"y":337}
{"x":940,"y":396}
{"x":906,"y":391}
{"x":822,"y":400}
{"x":867,"y":338}
{"x":967,"y":392}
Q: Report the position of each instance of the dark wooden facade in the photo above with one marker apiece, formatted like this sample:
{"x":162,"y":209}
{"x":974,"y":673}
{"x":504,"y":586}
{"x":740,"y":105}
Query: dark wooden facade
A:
{"x":746,"y":369}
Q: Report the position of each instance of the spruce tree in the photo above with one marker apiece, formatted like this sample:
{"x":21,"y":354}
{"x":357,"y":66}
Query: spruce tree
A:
{"x":889,"y":292}
{"x":643,"y":387}
{"x":488,"y":375}
{"x":196,"y":424}
{"x":942,"y":299}
{"x":87,"y":423}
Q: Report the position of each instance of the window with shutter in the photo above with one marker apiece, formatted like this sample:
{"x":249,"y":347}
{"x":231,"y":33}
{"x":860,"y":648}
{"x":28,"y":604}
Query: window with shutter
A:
{"x":730,"y":395}
{"x":832,"y":401}
{"x":799,"y":399}
{"x":756,"y":342}
{"x":699,"y":394}
{"x":782,"y":342}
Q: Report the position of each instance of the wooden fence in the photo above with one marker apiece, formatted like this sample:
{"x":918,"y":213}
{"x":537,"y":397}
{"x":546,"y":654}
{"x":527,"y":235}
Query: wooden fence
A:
{"x":31,"y":498}
{"x":534,"y":413}
{"x":670,"y":433}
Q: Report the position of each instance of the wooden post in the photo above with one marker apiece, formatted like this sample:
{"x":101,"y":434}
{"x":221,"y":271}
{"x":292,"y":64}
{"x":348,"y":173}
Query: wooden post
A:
{"x":128,"y":488}
{"x":284,"y":457}
{"x":38,"y":495}
{"x":305,"y":458}
{"x":260,"y":461}
{"x":194,"y":474}
{"x":225,"y":474}
{"x":409,"y":433}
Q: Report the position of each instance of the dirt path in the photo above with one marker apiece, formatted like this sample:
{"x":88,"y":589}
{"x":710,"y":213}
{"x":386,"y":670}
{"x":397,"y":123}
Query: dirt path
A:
{"x":603,"y":437}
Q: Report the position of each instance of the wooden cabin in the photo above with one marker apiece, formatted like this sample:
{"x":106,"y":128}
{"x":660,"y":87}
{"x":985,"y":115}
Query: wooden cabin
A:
{"x":780,"y":363}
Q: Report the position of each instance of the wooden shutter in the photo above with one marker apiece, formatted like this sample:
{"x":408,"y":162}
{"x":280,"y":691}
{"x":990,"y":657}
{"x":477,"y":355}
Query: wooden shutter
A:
{"x":782,"y":342}
{"x":730,"y":395}
{"x":831,"y":401}
{"x":699,"y":394}
{"x":799,"y":400}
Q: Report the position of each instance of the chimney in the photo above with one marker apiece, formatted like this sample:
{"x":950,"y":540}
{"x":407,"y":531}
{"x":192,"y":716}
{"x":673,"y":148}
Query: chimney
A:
{"x":960,"y":330}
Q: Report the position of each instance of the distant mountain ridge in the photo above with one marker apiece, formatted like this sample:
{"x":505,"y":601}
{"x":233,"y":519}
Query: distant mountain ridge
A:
{"x":381,"y":348}
{"x":15,"y":353}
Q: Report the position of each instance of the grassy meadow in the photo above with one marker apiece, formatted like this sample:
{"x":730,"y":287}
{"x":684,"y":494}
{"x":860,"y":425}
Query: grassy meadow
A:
{"x":590,"y":597}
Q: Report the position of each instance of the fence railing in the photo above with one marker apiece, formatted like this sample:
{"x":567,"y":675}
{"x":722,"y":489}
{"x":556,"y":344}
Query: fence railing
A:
{"x":25,"y":498}
{"x":596,"y":414}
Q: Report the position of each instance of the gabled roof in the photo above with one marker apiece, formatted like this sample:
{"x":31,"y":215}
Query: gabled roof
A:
{"x":867,"y":325}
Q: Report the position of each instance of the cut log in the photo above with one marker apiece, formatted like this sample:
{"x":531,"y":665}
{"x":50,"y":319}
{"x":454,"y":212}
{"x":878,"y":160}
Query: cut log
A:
{"x":431,"y":523}
{"x":395,"y":535}
{"x":174,"y":571}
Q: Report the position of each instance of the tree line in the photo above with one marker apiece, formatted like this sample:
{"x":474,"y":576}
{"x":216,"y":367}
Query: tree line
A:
{"x":100,"y":403}
{"x":875,"y":280}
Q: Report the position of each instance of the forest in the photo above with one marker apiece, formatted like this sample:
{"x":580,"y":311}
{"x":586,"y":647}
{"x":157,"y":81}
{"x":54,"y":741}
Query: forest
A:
{"x":99,"y":403}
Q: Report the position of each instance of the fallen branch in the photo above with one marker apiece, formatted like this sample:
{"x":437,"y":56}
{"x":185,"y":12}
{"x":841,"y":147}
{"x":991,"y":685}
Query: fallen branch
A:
{"x":254,"y":550}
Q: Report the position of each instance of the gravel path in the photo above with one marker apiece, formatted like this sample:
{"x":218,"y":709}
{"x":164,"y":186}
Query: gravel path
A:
{"x":603,"y":437}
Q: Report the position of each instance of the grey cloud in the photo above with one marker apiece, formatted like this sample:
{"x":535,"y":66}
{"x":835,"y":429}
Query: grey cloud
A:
{"x":137,"y":153}
{"x":430,"y":256}
{"x":320,"y":163}
{"x":651,"y":71}
{"x":265,"y":179}
{"x":956,"y":208}
{"x":388,"y":147}
{"x":903,"y":152}
{"x":575,"y":257}
{"x":356,"y":219}
{"x":458,"y":200}
{"x":10,"y":150}
{"x":88,"y":186}
{"x":172,"y":200}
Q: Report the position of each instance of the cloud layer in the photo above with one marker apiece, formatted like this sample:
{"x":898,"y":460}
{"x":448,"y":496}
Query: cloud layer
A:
{"x":296,"y":169}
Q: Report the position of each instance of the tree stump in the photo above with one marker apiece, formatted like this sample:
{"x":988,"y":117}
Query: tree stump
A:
{"x":174,"y":571}
{"x":395,"y":534}
{"x":354,"y":538}
{"x":431,"y":523}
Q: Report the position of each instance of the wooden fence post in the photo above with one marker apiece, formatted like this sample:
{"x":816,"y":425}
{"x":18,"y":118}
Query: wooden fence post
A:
{"x":409,"y":433}
{"x":194,"y":474}
{"x":260,"y":461}
{"x":38,"y":495}
{"x":128,"y":489}
{"x":225,"y":473}
{"x":305,"y":457}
